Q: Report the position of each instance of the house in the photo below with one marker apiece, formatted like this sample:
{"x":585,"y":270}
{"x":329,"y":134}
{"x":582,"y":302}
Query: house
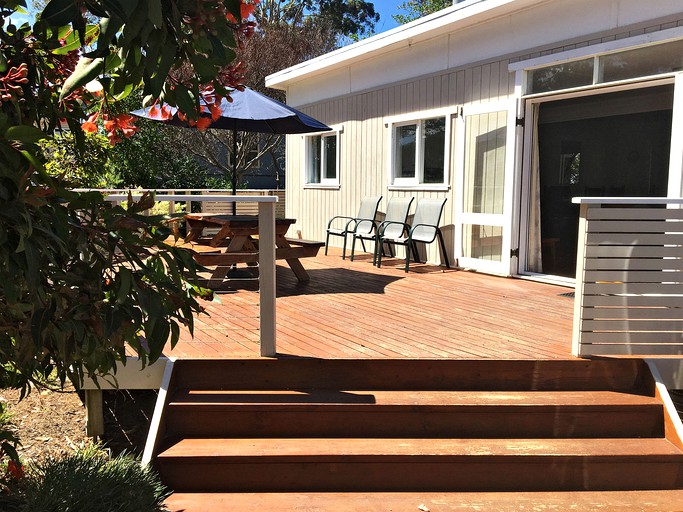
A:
{"x":508,"y":108}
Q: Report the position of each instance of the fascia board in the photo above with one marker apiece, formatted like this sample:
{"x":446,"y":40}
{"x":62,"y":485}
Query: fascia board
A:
{"x":462,"y":15}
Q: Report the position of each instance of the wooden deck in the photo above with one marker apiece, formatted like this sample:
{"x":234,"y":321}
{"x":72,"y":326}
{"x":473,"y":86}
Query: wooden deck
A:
{"x":352,"y":309}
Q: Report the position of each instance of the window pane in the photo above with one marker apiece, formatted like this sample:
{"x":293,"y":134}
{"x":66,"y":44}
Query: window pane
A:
{"x":330,"y":157}
{"x":482,"y":242}
{"x":485,"y":162}
{"x":405,"y":151}
{"x":434,"y":143}
{"x":314,"y":159}
{"x":560,"y":76}
{"x":651,"y":60}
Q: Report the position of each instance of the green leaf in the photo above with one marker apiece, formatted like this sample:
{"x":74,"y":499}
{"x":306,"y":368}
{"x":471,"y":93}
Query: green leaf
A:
{"x":109,"y":27}
{"x":86,"y":70}
{"x":114,"y":7}
{"x":33,"y":160}
{"x":204,"y":68}
{"x":167,"y":57}
{"x":134,"y":25}
{"x":124,"y":288}
{"x":155,"y":14}
{"x":73,"y":42}
{"x":60,"y":12}
{"x":25,"y":134}
{"x":184,"y":99}
{"x":128,"y":6}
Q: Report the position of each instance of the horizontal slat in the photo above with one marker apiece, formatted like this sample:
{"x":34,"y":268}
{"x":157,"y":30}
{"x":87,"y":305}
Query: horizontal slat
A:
{"x":632,"y":313}
{"x":634,"y":350}
{"x":634,"y":213}
{"x":636,"y":226}
{"x":638,"y":288}
{"x":633,"y":325}
{"x":633,"y":276}
{"x":658,"y":251}
{"x":633,"y":264}
{"x":633,"y":239}
{"x":632,"y":300}
{"x":653,"y":338}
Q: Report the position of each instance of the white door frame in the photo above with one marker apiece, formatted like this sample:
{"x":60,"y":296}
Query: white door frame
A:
{"x":503,"y":220}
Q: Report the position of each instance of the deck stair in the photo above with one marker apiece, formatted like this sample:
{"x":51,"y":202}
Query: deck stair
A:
{"x":329,"y":434}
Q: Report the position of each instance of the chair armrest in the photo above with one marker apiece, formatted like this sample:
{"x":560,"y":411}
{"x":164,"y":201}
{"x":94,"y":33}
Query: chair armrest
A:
{"x":337,"y":217}
{"x":383,"y":226}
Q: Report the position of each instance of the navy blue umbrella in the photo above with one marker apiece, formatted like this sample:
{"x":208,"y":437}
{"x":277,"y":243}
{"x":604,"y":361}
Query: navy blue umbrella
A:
{"x":251,"y":111}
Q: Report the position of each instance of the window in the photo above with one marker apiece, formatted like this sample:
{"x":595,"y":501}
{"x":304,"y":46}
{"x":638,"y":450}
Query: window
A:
{"x":614,"y":66}
{"x":322,"y":157}
{"x":419,"y":151}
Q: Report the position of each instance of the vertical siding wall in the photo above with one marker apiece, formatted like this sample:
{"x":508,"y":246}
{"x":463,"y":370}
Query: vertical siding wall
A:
{"x":363,"y":143}
{"x":364,"y":151}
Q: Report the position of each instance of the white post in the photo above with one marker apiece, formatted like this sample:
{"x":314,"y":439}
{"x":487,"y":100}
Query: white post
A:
{"x":578,"y":291}
{"x":266,"y":215}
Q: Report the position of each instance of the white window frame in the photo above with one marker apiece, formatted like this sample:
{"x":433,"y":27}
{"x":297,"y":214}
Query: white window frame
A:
{"x":307,"y":142}
{"x":596,"y":51}
{"x":418,"y":118}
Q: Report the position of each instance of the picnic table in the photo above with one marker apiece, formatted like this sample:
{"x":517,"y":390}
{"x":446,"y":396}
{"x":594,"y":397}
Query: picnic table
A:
{"x":236,"y":241}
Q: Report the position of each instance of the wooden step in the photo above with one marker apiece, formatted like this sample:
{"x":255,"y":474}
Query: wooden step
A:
{"x":605,"y":501}
{"x":327,"y":413}
{"x":359,"y":464}
{"x":422,"y":374}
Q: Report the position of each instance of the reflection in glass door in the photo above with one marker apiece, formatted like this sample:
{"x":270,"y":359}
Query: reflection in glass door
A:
{"x":607,"y":145}
{"x":484,"y":216}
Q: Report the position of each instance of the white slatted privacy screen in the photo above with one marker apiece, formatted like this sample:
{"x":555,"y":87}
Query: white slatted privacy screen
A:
{"x":629,"y":279}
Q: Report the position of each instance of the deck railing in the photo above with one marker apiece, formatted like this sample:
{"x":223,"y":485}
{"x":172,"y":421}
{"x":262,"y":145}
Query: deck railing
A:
{"x":629,"y":277}
{"x":211,"y":205}
{"x":266,"y":214}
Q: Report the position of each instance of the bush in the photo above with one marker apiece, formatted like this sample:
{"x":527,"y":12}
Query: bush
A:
{"x":90,"y":481}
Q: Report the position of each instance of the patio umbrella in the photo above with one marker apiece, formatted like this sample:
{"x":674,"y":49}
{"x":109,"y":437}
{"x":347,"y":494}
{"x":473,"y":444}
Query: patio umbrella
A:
{"x":251,"y":111}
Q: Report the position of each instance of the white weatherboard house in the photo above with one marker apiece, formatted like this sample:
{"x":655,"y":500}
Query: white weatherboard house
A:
{"x":507,"y":108}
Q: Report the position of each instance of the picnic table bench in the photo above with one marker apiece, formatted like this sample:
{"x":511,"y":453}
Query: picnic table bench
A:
{"x":237,"y":242}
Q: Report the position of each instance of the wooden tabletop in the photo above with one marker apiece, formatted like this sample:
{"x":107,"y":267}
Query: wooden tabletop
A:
{"x":236,"y":220}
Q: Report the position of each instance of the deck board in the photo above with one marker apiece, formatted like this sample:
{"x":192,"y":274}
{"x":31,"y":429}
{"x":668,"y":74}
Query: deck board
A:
{"x":352,"y":309}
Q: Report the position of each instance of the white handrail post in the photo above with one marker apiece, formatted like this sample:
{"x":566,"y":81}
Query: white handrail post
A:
{"x":578,"y":291}
{"x":266,"y":214}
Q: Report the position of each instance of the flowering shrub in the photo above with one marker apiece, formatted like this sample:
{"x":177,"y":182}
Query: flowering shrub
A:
{"x":79,"y":277}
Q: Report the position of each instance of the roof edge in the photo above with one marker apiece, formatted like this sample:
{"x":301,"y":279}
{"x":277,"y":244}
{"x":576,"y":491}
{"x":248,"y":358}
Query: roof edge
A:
{"x":464,"y":13}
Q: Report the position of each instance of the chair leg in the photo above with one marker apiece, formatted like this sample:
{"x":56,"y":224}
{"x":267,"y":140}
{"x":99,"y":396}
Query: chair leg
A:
{"x":327,"y":242}
{"x":416,"y":254}
{"x":346,"y":236}
{"x":443,"y":248}
{"x":374,"y":252}
{"x":409,"y":246}
{"x":378,"y":252}
{"x":353,"y":245}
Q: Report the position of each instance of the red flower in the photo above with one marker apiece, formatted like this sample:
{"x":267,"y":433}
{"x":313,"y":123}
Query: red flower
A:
{"x":15,"y":470}
{"x":123,"y":124}
{"x":89,"y":126}
{"x":247,"y":10}
{"x":163,"y":112}
{"x":203,"y":123}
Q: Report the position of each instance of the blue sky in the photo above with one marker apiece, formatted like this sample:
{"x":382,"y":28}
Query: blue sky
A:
{"x":386,"y":8}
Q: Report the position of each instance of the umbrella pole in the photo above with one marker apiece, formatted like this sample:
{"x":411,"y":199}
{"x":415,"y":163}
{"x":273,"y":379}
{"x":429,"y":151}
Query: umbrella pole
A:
{"x":234,"y":169}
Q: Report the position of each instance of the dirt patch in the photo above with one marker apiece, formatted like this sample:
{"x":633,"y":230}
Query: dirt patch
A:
{"x":52,"y":423}
{"x":48,"y":423}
